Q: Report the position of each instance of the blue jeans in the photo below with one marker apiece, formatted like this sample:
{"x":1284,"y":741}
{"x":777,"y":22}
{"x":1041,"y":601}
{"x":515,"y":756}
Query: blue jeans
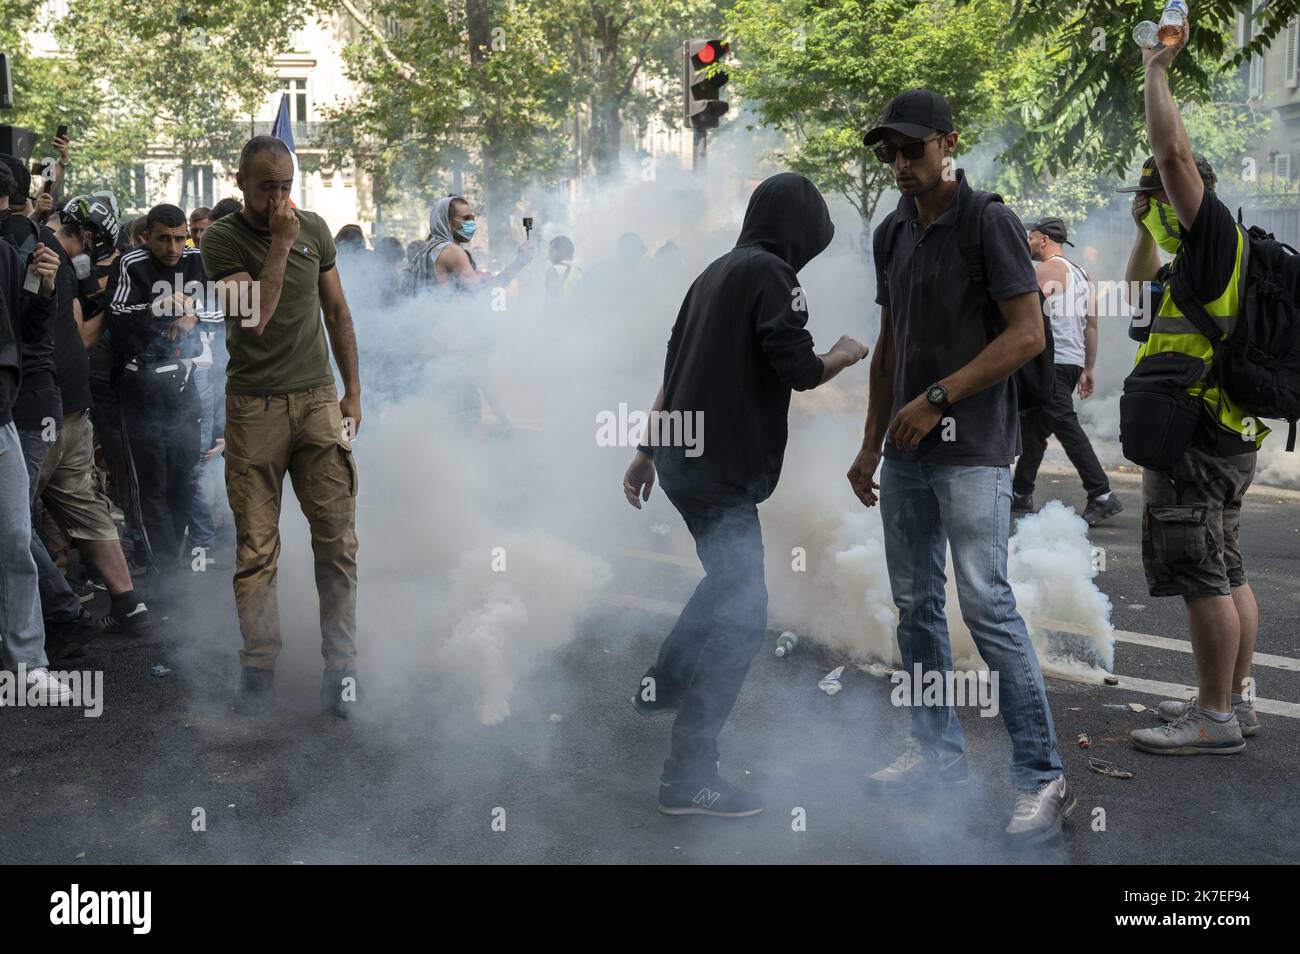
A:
{"x":21,"y":627}
{"x":924,"y":507}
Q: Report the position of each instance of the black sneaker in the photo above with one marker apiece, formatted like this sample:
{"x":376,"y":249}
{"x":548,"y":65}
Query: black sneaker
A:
{"x":338,"y":691}
{"x":255,"y":686}
{"x":1101,"y":508}
{"x":67,"y":639}
{"x":712,"y":796}
{"x":135,"y":622}
{"x":1022,"y":503}
{"x":84,"y":589}
{"x":81,"y":628}
{"x":661,"y":703}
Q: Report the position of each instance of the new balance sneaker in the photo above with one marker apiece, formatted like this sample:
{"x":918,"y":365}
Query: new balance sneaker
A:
{"x":1101,"y":508}
{"x":650,"y":699}
{"x":915,"y":770}
{"x":1247,"y":718}
{"x":1038,"y":815}
{"x":710,"y":796}
{"x":1022,"y":503}
{"x":49,"y":691}
{"x":1192,"y":733}
{"x":133,"y":622}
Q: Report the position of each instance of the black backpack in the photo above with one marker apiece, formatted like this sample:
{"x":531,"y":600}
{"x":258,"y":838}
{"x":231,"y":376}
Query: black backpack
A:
{"x":1036,"y":379}
{"x":1258,"y":364}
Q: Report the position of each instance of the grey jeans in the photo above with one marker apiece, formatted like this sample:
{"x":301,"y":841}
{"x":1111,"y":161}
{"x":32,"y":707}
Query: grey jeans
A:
{"x":58,"y":601}
{"x":22,"y":632}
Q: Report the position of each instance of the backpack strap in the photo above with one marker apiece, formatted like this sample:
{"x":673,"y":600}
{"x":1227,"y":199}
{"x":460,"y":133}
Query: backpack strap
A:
{"x":970,"y":220}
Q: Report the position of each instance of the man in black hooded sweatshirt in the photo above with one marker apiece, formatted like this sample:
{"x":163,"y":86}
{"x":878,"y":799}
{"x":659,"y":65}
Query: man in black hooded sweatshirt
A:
{"x":737,"y":350}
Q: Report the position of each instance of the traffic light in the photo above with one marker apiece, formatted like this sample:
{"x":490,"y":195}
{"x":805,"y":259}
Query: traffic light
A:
{"x":702,"y":107}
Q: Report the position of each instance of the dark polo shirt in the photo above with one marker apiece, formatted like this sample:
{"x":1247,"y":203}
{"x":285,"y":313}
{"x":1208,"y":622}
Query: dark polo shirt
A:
{"x":940,"y":325}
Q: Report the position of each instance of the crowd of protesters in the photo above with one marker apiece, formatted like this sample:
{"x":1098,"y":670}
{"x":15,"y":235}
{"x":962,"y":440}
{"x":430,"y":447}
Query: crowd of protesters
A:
{"x":136,"y":358}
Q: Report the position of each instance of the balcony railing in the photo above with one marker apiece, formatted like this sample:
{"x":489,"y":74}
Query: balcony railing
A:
{"x":305,"y":135}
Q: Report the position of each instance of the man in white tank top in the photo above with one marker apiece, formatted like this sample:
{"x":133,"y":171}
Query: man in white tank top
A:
{"x":1071,"y":305}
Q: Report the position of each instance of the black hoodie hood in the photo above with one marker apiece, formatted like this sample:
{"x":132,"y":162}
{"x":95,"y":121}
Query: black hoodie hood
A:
{"x":788,"y":217}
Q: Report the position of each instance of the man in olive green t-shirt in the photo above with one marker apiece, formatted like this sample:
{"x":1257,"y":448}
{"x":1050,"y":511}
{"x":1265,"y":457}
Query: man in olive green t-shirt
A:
{"x":283,"y":414}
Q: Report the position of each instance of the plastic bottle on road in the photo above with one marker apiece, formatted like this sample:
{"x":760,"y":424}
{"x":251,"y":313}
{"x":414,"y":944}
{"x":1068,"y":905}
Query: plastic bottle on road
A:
{"x":785,"y":644}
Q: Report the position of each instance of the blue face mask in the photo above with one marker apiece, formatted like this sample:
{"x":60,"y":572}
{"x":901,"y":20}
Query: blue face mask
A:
{"x":467,"y":229}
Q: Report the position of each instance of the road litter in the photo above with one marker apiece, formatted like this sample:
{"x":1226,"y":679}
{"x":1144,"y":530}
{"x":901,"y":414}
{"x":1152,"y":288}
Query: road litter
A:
{"x":830,"y":683}
{"x":1126,"y":706}
{"x":785,"y":644}
{"x":1102,"y":767}
{"x":160,"y":670}
{"x":1111,"y":680}
{"x":1137,"y":707}
{"x":1084,"y":741}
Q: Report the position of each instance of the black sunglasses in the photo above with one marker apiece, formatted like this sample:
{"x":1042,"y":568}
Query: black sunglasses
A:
{"x":887,"y":152}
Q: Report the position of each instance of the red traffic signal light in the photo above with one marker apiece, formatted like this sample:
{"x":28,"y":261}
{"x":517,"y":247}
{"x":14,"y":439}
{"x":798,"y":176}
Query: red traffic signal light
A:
{"x":701,"y":102}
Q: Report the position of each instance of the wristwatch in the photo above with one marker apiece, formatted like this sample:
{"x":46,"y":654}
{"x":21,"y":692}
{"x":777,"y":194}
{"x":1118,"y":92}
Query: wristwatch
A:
{"x":937,"y":395}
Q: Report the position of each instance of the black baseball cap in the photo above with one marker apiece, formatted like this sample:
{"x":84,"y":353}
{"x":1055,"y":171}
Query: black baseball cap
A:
{"x":1052,"y":227}
{"x":917,"y":113}
{"x":1149,"y":181}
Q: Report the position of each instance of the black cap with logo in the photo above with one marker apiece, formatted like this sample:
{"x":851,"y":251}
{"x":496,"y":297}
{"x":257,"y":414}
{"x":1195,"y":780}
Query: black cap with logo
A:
{"x":918,"y":113}
{"x":1149,"y":181}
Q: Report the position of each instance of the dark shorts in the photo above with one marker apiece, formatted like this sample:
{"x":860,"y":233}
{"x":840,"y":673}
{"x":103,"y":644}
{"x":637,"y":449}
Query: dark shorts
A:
{"x":1191,"y":516}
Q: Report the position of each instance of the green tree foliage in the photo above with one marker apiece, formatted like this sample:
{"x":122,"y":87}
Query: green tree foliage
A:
{"x":822,"y":71}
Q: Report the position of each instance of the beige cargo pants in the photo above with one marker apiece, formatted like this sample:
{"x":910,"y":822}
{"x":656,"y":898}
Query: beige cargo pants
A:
{"x":300,"y":433}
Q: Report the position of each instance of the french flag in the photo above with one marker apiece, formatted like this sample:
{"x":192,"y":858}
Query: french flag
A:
{"x":282,"y":129}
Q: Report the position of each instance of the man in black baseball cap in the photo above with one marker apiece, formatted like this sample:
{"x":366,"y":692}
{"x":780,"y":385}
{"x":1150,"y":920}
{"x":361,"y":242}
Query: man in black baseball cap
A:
{"x":1149,"y":181}
{"x":1053,"y":228}
{"x":917,"y":114}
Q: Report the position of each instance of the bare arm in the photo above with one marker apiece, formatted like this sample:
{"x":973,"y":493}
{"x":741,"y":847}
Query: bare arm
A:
{"x":343,"y":342}
{"x":1022,"y":339}
{"x":1143,"y":259}
{"x":1168,"y":136}
{"x":880,"y":389}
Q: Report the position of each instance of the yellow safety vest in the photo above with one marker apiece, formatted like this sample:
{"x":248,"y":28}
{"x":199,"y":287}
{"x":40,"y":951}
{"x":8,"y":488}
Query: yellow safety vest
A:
{"x":1171,"y":330}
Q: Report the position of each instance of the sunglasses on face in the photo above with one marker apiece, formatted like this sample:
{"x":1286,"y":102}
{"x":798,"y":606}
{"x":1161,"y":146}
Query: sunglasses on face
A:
{"x":913,"y":149}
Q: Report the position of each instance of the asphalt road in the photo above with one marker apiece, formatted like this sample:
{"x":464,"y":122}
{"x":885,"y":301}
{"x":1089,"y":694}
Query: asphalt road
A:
{"x":571,"y":775}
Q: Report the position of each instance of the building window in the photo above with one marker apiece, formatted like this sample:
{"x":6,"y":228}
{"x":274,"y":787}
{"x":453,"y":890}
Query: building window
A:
{"x":297,"y":90}
{"x":196,"y":189}
{"x":132,"y":186}
{"x":1282,"y":168}
{"x":1292,"y":42}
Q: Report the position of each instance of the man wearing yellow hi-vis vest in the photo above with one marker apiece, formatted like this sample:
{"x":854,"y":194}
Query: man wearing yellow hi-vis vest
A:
{"x":1192,"y":495}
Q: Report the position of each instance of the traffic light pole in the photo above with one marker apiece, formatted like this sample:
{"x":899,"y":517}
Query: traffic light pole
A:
{"x":699,"y":150}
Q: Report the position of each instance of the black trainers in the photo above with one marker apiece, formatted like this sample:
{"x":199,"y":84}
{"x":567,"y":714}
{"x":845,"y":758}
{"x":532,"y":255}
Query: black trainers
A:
{"x":1022,"y":503}
{"x":1101,"y":508}
{"x":338,"y":691}
{"x":134,"y":622}
{"x":712,"y":796}
{"x":68,"y":638}
{"x":650,"y":699}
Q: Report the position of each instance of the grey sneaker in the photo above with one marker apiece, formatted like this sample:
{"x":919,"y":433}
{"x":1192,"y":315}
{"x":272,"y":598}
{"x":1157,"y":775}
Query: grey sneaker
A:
{"x":1247,"y":718}
{"x":1101,"y":508}
{"x":1038,"y":815}
{"x":1192,"y":733}
{"x":915,"y":770}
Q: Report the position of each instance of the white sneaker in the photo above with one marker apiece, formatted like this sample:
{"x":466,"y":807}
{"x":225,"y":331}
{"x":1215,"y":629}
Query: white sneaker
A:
{"x":49,"y":690}
{"x":1039,"y":814}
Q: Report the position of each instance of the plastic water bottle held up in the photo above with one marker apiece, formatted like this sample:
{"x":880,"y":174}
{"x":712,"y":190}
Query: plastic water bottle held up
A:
{"x":1172,"y":21}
